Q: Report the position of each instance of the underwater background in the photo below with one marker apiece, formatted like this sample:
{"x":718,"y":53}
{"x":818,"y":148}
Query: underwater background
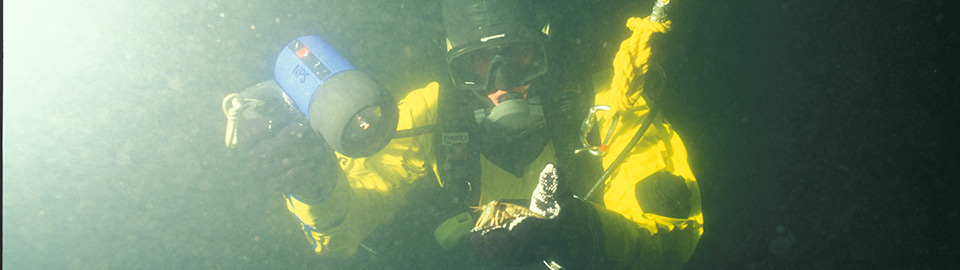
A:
{"x":821,"y":132}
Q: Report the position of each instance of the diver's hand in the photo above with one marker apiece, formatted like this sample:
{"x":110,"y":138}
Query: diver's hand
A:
{"x":527,"y":239}
{"x":566,"y":231}
{"x":281,"y":148}
{"x":273,"y":152}
{"x":295,"y":161}
{"x":523,"y":241}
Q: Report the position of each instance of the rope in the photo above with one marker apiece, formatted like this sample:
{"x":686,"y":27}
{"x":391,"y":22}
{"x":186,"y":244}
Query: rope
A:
{"x":233,"y":104}
{"x":634,"y":53}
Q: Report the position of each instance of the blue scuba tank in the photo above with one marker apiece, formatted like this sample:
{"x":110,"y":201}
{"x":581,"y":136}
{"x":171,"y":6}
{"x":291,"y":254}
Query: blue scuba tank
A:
{"x":345,"y":106}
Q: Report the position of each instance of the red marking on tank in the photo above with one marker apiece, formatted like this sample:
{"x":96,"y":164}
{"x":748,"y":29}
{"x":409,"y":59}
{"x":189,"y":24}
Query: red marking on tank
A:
{"x":303,"y":52}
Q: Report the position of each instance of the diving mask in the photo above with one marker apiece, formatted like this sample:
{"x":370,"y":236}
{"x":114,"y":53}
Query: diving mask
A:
{"x":507,"y":65}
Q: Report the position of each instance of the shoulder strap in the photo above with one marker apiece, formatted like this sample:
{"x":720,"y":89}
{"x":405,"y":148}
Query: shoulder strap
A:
{"x":458,"y":158}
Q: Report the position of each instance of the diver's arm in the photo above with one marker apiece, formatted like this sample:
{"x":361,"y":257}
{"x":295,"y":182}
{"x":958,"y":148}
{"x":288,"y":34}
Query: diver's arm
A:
{"x":651,"y":216}
{"x":629,"y":64}
{"x":639,"y":233}
{"x":368,"y":190}
{"x":635,"y":236}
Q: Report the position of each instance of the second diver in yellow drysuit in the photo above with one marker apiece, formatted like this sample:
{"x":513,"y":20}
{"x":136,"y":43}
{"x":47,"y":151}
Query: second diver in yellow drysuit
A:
{"x":647,"y":214}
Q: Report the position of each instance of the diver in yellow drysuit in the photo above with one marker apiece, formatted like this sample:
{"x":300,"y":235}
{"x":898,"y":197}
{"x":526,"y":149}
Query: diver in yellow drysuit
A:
{"x":647,"y":214}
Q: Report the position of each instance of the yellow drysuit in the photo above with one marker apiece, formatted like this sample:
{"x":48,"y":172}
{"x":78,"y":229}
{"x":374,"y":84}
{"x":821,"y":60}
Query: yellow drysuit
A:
{"x":370,"y":189}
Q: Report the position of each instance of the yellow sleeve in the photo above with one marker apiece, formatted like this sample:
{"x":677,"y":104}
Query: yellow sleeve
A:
{"x":633,"y":237}
{"x":370,"y":189}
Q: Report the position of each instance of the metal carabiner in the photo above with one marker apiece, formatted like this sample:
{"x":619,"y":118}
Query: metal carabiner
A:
{"x":659,"y":13}
{"x":585,"y":129}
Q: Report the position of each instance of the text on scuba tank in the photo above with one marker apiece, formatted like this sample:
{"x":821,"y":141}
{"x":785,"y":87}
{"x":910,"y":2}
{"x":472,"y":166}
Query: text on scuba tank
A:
{"x":300,"y":72}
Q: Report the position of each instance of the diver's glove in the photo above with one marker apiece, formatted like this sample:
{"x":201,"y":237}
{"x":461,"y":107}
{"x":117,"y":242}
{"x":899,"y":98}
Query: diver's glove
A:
{"x":281,"y":148}
{"x":565,"y":231}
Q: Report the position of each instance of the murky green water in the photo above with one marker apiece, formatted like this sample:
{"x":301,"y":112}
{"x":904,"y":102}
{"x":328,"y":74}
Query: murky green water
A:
{"x":113,"y":152}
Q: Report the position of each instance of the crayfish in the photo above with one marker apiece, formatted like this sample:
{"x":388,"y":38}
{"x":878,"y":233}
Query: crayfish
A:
{"x":495,"y":213}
